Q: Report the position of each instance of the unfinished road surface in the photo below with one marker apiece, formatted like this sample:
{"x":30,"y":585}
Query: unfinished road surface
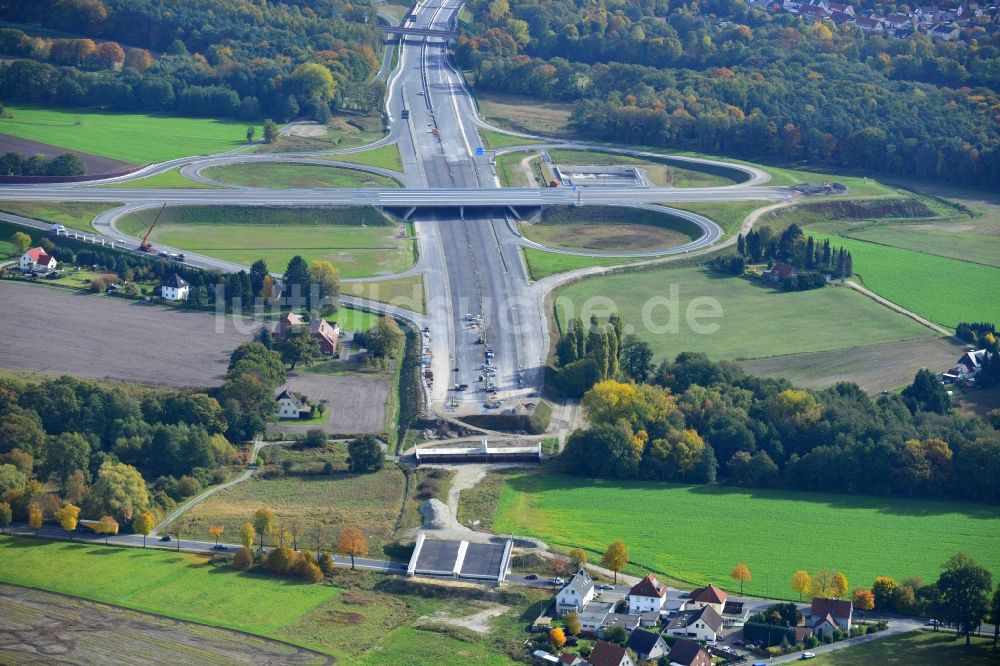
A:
{"x":50,"y":330}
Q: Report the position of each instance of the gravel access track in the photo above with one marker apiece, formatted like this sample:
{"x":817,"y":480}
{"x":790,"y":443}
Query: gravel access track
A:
{"x":50,"y":330}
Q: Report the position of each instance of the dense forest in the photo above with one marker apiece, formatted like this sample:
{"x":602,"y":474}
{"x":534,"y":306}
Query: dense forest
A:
{"x":195,"y":57}
{"x":696,"y":421}
{"x":723,"y":77}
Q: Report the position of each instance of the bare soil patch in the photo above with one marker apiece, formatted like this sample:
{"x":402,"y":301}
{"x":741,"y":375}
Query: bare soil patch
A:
{"x":312,"y":129}
{"x":477,"y":621}
{"x":356,"y":403}
{"x":44,"y":628}
{"x":608,"y":237}
{"x":95,"y":164}
{"x":524,"y":114}
{"x":54,"y":331}
{"x":877,"y":368}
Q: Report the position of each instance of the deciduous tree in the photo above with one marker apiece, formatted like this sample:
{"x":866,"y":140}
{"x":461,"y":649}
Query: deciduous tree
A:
{"x":264,"y":523}
{"x":822,"y":584}
{"x":863,"y":599}
{"x":352,"y":542}
{"x":143,"y":524}
{"x":119,"y":491}
{"x":578,"y":557}
{"x":35,"y":517}
{"x":557,"y":637}
{"x":67,"y":517}
{"x":247,"y":535}
{"x":271,"y":131}
{"x":882,"y":592}
{"x":21,"y":241}
{"x":572,"y":622}
{"x":801,"y":583}
{"x":365,"y":454}
{"x":298,"y":346}
{"x":216,"y":531}
{"x":615,"y":557}
{"x":964,"y":587}
{"x":107,"y":526}
{"x":243,"y":559}
{"x":838,"y":585}
{"x":741,"y":573}
{"x":6,"y":515}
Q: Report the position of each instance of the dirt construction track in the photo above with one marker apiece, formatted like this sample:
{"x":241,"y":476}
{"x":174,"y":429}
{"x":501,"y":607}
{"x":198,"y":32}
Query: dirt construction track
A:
{"x":44,"y":628}
{"x":49,"y":330}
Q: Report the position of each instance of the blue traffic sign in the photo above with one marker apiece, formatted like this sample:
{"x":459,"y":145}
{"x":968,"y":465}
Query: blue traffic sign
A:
{"x":479,"y":151}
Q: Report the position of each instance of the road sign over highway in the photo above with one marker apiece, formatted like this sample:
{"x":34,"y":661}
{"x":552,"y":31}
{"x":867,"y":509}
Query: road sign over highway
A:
{"x":479,"y":151}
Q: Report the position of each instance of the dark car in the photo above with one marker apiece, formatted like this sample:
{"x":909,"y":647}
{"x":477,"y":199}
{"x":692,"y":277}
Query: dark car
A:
{"x":165,"y":537}
{"x":219,"y":546}
{"x":531,"y":577}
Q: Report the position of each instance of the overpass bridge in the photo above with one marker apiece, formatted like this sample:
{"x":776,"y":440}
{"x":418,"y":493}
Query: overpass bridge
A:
{"x":400,"y":31}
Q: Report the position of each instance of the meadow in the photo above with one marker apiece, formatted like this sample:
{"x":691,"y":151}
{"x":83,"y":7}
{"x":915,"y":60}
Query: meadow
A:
{"x":296,"y":176}
{"x":138,"y":138}
{"x":664,"y":173}
{"x":727,"y":214}
{"x":385,"y":157}
{"x":356,"y":624}
{"x":524,"y":114}
{"x":343,"y":131}
{"x":542,"y":264}
{"x":757,"y":321}
{"x":244,"y":235}
{"x":509,"y":169}
{"x":944,"y":290}
{"x":71,"y":214}
{"x":405,"y":292}
{"x":494,"y":140}
{"x":918,"y":648}
{"x":609,"y":229}
{"x":937,"y":239}
{"x":698,"y":533}
{"x":169,"y":180}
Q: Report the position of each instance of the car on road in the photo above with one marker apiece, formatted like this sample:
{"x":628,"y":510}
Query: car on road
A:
{"x":934,"y":623}
{"x":462,"y":387}
{"x":491,"y":405}
{"x":57,"y":229}
{"x":604,"y":586}
{"x":557,"y":581}
{"x":219,"y":547}
{"x":531,"y":577}
{"x":165,"y":538}
{"x":807,"y":655}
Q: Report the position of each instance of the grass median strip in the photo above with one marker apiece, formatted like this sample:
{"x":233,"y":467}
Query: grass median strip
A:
{"x":296,"y":176}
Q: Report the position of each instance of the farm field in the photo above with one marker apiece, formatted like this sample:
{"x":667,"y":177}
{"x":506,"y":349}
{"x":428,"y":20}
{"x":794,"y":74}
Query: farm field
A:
{"x":664,"y":527}
{"x":524,"y":114}
{"x":609,"y":229}
{"x":296,"y":176}
{"x":136,"y":138}
{"x":919,"y":648}
{"x":659,"y":173}
{"x":811,"y":321}
{"x":51,"y":624}
{"x":94,"y":165}
{"x":134,"y":342}
{"x":385,"y":157}
{"x":944,"y":290}
{"x":71,"y":214}
{"x":941,"y":240}
{"x":243,"y":235}
{"x":542,"y":264}
{"x":727,"y":214}
{"x":405,"y":292}
{"x":171,"y":179}
{"x":325,"y":503}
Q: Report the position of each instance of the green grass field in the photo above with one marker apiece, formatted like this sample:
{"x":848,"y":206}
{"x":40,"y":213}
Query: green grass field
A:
{"x":542,"y":264}
{"x":934,"y":239}
{"x":698,"y":533}
{"x":350,"y":319}
{"x":71,"y":214}
{"x":243,"y":235}
{"x":296,"y":176}
{"x":170,"y":180}
{"x":727,"y":214}
{"x":944,"y":290}
{"x":609,"y":229}
{"x":130,"y":137}
{"x":385,"y":157}
{"x":818,"y":320}
{"x":493,"y":139}
{"x":509,"y":169}
{"x":919,"y":648}
{"x":659,"y":173}
{"x":405,"y":292}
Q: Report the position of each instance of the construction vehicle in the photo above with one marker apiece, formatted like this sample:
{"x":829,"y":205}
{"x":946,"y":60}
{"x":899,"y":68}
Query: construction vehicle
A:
{"x":145,"y":245}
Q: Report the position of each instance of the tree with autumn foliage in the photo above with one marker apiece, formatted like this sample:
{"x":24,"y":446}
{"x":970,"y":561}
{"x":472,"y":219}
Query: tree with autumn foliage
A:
{"x":106,"y":526}
{"x":68,"y":516}
{"x":801,"y":583}
{"x":264,"y":523}
{"x":615,"y":558}
{"x":557,"y":637}
{"x":35,"y":517}
{"x":838,"y":586}
{"x":143,"y":524}
{"x":572,"y":622}
{"x":578,"y":558}
{"x":216,"y":531}
{"x":883,"y":590}
{"x":352,"y":542}
{"x":247,"y":535}
{"x":741,"y":573}
{"x":863,"y":599}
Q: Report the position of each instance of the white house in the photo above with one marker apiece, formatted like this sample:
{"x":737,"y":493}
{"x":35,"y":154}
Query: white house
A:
{"x":704,"y":624}
{"x":175,"y":288}
{"x":291,"y":406}
{"x":823,"y":612}
{"x":575,"y":594}
{"x":646,"y":595}
{"x":37,"y":259}
{"x":707,"y":596}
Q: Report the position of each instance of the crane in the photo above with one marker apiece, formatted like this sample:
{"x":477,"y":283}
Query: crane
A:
{"x":145,"y":246}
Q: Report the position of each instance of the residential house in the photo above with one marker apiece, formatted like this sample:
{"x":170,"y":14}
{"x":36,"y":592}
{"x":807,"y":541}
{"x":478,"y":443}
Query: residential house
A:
{"x":707,"y":596}
{"x":37,"y":259}
{"x":840,"y":18}
{"x":624,"y":620}
{"x":647,"y":645}
{"x":967,"y":367}
{"x":689,"y":653}
{"x":840,"y":611}
{"x":567,"y":659}
{"x":593,"y":616}
{"x":842,"y":8}
{"x":175,"y":288}
{"x":704,"y":624}
{"x":824,"y":625}
{"x":735,"y":614}
{"x":869,"y":24}
{"x":780,"y":271}
{"x":292,"y":405}
{"x":575,"y":594}
{"x":646,"y":595}
{"x":813,"y":12}
{"x":944,"y":32}
{"x":609,"y":654}
{"x":896,"y":22}
{"x":326,"y":333}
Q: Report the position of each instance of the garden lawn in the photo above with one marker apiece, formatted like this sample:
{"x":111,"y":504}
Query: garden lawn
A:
{"x":944,"y":290}
{"x":296,"y":176}
{"x":757,"y":321}
{"x":918,"y":648}
{"x":698,"y":533}
{"x":542,"y":264}
{"x":370,"y":501}
{"x":138,"y":138}
{"x":163,"y":582}
{"x":170,"y":180}
{"x":70,"y":214}
{"x":385,"y":157}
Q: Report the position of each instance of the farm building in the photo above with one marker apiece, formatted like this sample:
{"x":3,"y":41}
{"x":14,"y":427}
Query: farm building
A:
{"x":486,"y":562}
{"x":175,"y":288}
{"x":292,"y":406}
{"x":479,"y":454}
{"x":36,"y":259}
{"x":326,"y":333}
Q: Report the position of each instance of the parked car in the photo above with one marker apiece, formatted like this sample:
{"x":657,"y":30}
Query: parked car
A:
{"x":531,"y":577}
{"x":807,"y":655}
{"x":165,"y":537}
{"x":604,"y":586}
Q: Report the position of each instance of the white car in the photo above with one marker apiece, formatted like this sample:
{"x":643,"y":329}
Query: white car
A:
{"x":807,"y":655}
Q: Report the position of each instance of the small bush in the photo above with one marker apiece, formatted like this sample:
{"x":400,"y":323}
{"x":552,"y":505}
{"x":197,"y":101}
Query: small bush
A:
{"x":428,"y":488}
{"x":280,"y":560}
{"x":188,"y":486}
{"x":243,"y":559}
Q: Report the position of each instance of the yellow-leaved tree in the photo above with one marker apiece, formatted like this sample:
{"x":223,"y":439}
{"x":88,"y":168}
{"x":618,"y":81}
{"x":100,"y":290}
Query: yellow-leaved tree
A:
{"x":264,"y":522}
{"x":352,"y":542}
{"x":615,"y":558}
{"x":107,"y":526}
{"x":557,"y":637}
{"x":68,"y":516}
{"x":801,"y":582}
{"x":838,"y":586}
{"x":143,"y":524}
{"x":35,"y":517}
{"x":247,"y":535}
{"x":741,"y":572}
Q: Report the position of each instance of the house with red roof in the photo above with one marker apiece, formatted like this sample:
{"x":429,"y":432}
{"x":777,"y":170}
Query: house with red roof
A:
{"x":326,"y":333}
{"x":37,"y":259}
{"x":707,"y":596}
{"x":647,"y":595}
